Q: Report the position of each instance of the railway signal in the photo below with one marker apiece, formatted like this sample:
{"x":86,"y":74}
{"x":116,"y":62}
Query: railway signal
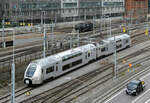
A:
{"x":29,"y":24}
{"x":23,"y":24}
{"x":7,"y":23}
{"x":20,"y":24}
{"x":124,"y":29}
{"x":146,"y":32}
{"x":130,"y":65}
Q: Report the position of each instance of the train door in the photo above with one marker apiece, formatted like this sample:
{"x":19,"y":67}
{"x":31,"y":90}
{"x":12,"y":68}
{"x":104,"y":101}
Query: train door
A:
{"x":87,"y":56}
{"x":94,"y":53}
{"x":57,"y":70}
{"x":49,"y":72}
{"x":42,"y":74}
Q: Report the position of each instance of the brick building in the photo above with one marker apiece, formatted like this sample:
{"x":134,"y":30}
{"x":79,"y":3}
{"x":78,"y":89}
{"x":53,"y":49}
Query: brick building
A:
{"x":136,"y":8}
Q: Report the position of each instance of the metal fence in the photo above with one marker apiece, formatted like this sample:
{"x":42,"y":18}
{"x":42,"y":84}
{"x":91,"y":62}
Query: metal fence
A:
{"x":25,"y":58}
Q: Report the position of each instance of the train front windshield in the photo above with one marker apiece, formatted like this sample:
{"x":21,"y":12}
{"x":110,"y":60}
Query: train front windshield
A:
{"x":31,"y":70}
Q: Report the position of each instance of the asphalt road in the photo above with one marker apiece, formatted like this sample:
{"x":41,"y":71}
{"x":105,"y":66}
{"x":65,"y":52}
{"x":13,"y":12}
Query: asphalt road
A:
{"x":143,"y":97}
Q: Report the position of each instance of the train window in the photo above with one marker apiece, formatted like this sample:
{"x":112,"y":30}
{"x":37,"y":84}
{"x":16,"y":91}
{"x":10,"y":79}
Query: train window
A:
{"x":106,"y":48}
{"x":85,"y":55}
{"x":76,"y":55}
{"x":76,"y":62}
{"x":42,"y":71}
{"x":65,"y":67}
{"x":56,"y":68}
{"x":50,"y":69}
{"x":31,"y":70}
{"x":118,"y":41}
{"x":103,"y":49}
{"x":118,"y":46}
{"x":94,"y":44}
{"x":65,"y":58}
{"x":88,"y":54}
{"x":127,"y":41}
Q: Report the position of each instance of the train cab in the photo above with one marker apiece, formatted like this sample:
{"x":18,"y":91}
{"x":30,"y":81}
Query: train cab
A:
{"x":33,"y":74}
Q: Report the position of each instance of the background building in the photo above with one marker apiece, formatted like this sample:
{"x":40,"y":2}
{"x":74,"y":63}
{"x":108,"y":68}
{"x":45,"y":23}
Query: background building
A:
{"x":136,"y":8}
{"x":59,"y":10}
{"x":148,"y":6}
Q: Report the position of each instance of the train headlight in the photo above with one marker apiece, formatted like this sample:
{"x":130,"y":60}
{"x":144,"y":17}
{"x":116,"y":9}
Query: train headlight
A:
{"x":27,"y":81}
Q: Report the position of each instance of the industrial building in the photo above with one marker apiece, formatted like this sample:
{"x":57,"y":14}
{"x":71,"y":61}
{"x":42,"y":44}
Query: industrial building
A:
{"x":136,"y":8}
{"x":31,"y":10}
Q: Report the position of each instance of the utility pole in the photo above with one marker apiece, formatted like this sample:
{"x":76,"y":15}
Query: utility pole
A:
{"x":44,"y":44}
{"x":13,"y":72}
{"x":85,"y":14}
{"x":101,"y":25}
{"x":41,"y":18}
{"x":115,"y":60}
{"x":3,"y":33}
{"x":78,"y":39}
{"x":107,"y":25}
{"x":44,"y":49}
{"x":104,"y":23}
{"x":52,"y":32}
{"x":147,"y":24}
{"x":93,"y":25}
{"x":110,"y":26}
{"x":70,"y":42}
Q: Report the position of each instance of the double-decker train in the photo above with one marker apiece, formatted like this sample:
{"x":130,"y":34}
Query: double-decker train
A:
{"x":55,"y":65}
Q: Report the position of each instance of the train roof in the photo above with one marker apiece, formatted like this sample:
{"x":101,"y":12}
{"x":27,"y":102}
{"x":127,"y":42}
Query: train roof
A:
{"x":57,"y":57}
{"x":74,"y":51}
{"x":123,"y":36}
{"x":48,"y":60}
{"x":87,"y":47}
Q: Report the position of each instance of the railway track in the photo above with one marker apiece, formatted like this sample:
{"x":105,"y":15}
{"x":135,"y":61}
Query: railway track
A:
{"x":122,"y":85}
{"x":57,"y":95}
{"x":36,"y":46}
{"x":79,"y":84}
{"x":7,"y":97}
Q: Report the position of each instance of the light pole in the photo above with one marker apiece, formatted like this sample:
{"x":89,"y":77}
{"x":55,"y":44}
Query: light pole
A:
{"x":85,"y":14}
{"x":13,"y":72}
{"x":44,"y":42}
{"x":52,"y":32}
{"x":101,"y":25}
{"x":93,"y":24}
{"x":147,"y":25}
{"x":44,"y":48}
{"x":106,"y":22}
{"x":115,"y":58}
{"x":78,"y":38}
{"x":3,"y":33}
{"x":110,"y":26}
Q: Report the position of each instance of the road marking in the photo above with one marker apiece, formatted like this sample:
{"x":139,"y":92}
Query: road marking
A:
{"x":115,"y":95}
{"x":125,"y":89}
{"x":147,"y":101}
{"x":145,"y":76}
{"x":134,"y":101}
